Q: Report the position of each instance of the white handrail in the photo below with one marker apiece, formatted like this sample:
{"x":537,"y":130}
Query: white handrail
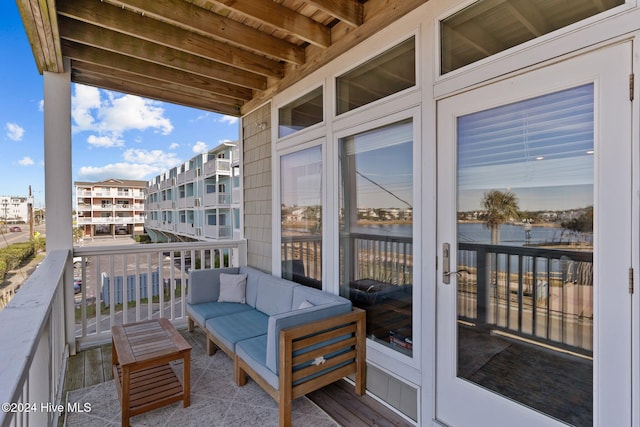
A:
{"x":33,"y":347}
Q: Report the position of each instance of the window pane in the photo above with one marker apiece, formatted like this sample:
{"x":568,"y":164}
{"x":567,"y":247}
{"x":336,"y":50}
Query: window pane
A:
{"x":376,"y":229}
{"x":301,"y":216}
{"x":384,"y":75}
{"x":301,"y":113}
{"x":489,"y":26}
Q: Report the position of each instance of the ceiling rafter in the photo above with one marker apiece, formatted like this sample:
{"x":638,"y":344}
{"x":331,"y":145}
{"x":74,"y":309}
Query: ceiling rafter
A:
{"x":108,"y":16}
{"x":136,"y":66}
{"x":348,"y":11}
{"x":210,"y":24}
{"x":278,"y":16}
{"x":121,"y":81}
{"x":112,"y":41}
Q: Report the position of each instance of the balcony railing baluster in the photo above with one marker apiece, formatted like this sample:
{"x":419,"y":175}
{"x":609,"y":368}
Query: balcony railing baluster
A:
{"x":539,"y":296}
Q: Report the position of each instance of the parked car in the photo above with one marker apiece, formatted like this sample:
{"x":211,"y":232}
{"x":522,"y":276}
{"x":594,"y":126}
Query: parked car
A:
{"x":77,"y":286}
{"x":15,"y":228}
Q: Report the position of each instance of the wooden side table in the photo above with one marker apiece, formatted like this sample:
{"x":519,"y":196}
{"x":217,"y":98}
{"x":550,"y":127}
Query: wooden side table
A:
{"x":141,"y":353}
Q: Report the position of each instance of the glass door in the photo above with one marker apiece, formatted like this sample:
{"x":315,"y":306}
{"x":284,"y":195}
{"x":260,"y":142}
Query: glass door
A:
{"x":534,"y":208}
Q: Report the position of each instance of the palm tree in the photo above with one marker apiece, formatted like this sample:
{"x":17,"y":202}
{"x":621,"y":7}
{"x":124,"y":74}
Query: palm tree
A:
{"x":500,"y":207}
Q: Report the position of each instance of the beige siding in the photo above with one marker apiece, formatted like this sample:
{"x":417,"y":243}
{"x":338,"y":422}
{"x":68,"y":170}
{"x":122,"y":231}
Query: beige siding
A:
{"x":256,"y":134}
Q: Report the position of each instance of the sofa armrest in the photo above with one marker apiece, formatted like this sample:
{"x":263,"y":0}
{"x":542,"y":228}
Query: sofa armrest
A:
{"x":293,"y":318}
{"x":204,"y":285}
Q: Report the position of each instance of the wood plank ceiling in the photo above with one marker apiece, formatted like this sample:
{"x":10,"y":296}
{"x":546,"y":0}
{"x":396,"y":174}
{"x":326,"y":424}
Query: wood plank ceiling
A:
{"x":227,"y":56}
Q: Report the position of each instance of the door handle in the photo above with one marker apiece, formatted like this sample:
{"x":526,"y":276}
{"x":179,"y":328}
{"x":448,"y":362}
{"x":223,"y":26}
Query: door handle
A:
{"x":446,"y":265}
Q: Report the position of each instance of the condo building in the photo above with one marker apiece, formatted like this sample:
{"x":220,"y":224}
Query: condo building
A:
{"x":14,"y":209}
{"x":111,"y":207}
{"x":198,"y":200}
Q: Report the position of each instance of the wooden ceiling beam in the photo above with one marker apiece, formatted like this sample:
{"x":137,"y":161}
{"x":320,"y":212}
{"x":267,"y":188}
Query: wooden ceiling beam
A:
{"x":348,"y":11}
{"x":108,"y":16}
{"x":273,"y":14}
{"x":39,"y":20}
{"x":194,"y":18}
{"x":110,"y":83}
{"x":86,"y":68}
{"x":137,"y":66}
{"x":112,"y":41}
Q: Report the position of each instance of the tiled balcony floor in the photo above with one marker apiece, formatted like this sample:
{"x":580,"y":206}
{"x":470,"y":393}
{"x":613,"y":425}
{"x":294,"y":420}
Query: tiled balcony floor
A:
{"x":90,"y":370}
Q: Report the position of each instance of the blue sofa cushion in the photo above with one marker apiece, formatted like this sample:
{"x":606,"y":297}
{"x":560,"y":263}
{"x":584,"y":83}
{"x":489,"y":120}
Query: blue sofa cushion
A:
{"x":237,"y":327}
{"x":313,"y":296}
{"x":253,"y":277}
{"x":207,"y":310}
{"x":275,"y":295}
{"x":253,"y":351}
{"x":204,"y":285}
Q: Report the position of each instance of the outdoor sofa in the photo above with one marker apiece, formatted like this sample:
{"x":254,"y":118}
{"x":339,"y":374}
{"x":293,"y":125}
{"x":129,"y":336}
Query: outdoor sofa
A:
{"x":289,"y":338}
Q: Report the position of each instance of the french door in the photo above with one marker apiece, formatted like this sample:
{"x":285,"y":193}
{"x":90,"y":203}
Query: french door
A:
{"x":534,"y":219}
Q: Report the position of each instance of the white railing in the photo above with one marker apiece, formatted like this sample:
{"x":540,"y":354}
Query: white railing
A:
{"x":123,"y":284}
{"x":217,"y":166}
{"x":33,"y":347}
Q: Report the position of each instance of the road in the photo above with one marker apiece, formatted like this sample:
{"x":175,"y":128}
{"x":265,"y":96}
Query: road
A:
{"x":10,"y":237}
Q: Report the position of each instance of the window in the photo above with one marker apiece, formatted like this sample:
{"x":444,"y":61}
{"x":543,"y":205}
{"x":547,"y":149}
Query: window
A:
{"x":301,"y":113}
{"x":376,"y":228}
{"x":301,"y":216}
{"x":487,"y":27}
{"x":211,"y":219}
{"x":384,"y":75}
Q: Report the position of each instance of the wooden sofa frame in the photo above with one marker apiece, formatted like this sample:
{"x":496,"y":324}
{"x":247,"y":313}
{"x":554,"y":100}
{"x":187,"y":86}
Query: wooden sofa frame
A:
{"x":296,"y":383}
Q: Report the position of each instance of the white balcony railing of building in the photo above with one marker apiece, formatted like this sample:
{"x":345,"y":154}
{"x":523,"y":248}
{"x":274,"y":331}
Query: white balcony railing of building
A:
{"x":123,"y":284}
{"x":217,"y":166}
{"x":218,"y":231}
{"x":34,"y":350}
{"x":33,"y":366}
{"x":186,"y":176}
{"x":216,"y":199}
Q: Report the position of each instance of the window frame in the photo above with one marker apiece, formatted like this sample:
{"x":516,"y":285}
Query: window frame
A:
{"x":308,"y":129}
{"x":537,"y":50}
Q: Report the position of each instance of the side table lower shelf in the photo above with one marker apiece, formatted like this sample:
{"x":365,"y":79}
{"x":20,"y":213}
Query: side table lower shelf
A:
{"x":149,"y":389}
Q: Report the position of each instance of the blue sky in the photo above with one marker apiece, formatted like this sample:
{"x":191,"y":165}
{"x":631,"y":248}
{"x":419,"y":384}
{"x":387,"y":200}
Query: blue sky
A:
{"x":114,"y":135}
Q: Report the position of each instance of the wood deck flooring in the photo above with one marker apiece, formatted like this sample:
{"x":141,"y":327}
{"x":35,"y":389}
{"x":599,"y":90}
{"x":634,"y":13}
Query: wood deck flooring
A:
{"x":93,"y":366}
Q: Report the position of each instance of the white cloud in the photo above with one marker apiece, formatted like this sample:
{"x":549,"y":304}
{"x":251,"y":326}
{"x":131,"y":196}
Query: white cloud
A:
{"x":200,"y":147}
{"x":84,"y":102}
{"x":132,"y":112}
{"x":157,"y":158}
{"x":105,"y":141}
{"x":14,"y":131}
{"x":136,"y":164}
{"x":230,"y":120}
{"x":117,"y":170}
{"x":174,"y":146}
{"x":110,"y":115}
{"x":41,"y":105}
{"x":26,"y":161}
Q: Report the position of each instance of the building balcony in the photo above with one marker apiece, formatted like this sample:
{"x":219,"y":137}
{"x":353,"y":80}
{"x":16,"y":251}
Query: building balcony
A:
{"x":218,"y":231}
{"x":217,"y":167}
{"x":217,"y":199}
{"x":186,"y":176}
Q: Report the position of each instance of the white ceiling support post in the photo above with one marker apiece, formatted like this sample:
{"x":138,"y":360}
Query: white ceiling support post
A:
{"x":58,"y":179}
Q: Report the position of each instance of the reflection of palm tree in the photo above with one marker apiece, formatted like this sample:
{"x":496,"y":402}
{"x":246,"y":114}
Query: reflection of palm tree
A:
{"x":500,"y":207}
